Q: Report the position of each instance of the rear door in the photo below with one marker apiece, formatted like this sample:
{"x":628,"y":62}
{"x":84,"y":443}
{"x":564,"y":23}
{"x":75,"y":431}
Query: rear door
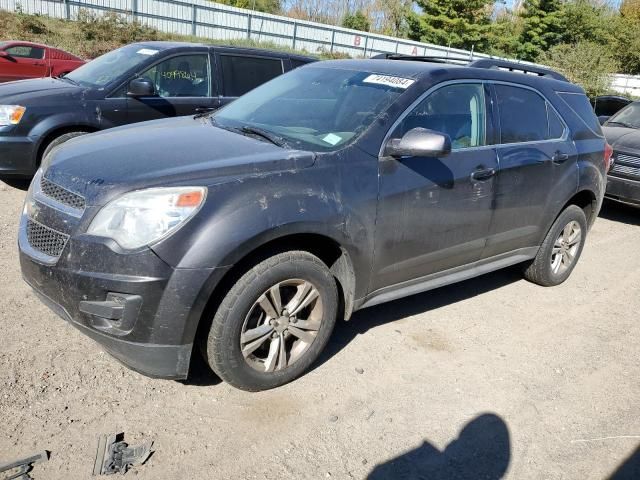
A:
{"x":182,"y":87}
{"x":537,"y":166}
{"x":240,"y":73}
{"x":434,"y":213}
{"x":23,"y":61}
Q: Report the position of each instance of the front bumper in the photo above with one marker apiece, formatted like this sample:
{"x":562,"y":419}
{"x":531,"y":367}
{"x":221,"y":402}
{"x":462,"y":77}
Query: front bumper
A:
{"x":623,"y":189}
{"x":17,"y":156}
{"x":140,"y":309}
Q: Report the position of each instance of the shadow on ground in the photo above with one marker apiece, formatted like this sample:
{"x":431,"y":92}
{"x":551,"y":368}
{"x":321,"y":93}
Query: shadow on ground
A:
{"x":481,"y":451}
{"x":620,"y":212}
{"x":630,"y":469}
{"x":372,"y":317}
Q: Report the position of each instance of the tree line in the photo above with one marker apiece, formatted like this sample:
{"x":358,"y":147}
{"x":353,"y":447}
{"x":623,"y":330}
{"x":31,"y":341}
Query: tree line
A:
{"x":586,"y":39}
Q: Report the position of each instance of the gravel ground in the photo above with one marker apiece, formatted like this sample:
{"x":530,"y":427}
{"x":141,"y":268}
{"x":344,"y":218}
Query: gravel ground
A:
{"x":490,"y":378}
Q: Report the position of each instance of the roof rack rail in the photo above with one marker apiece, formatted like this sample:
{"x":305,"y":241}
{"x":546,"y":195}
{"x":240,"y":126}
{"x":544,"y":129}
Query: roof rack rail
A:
{"x":521,"y":67}
{"x":420,"y":58}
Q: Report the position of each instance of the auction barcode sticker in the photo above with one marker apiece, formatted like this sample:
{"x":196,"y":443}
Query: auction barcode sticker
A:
{"x":389,"y":81}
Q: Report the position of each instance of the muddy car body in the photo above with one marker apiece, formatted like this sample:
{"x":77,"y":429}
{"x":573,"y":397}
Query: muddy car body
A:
{"x":345,"y":193}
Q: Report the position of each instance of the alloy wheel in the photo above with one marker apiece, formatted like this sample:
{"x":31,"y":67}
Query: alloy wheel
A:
{"x":566,"y":247}
{"x":281,"y":325}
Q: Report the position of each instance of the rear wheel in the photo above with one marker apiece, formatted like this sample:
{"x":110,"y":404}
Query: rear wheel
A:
{"x":560,"y":250}
{"x":274,"y":322}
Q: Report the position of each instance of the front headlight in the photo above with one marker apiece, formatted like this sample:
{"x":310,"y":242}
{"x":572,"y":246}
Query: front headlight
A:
{"x":11,"y":114}
{"x":145,"y":216}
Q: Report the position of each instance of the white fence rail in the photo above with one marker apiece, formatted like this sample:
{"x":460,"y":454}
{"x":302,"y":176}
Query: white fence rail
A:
{"x":626,"y":84}
{"x":211,"y":20}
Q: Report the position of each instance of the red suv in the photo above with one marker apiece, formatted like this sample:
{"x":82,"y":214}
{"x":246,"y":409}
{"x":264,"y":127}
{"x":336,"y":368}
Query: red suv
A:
{"x":21,"y":60}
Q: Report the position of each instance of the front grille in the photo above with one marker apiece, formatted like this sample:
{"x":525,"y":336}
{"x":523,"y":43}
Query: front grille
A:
{"x":45,"y":239}
{"x":61,"y":195}
{"x":625,"y":170}
{"x":628,"y":159}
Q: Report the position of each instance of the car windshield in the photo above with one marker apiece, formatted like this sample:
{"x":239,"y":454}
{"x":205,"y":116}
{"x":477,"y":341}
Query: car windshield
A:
{"x":313,"y":108}
{"x":627,"y":117}
{"x":110,"y":66}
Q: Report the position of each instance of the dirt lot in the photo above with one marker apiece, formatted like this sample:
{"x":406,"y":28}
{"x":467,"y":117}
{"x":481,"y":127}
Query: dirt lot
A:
{"x":489,"y":376}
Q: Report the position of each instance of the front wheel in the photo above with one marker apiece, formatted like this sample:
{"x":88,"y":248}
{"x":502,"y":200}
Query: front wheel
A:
{"x":274,"y":322}
{"x":560,"y":250}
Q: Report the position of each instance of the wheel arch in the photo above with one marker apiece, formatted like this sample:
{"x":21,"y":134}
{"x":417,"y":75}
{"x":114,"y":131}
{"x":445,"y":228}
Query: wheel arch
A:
{"x":327,"y":249}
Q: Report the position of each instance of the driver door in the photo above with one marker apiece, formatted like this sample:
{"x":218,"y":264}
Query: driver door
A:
{"x":182,"y":87}
{"x":434,"y":214}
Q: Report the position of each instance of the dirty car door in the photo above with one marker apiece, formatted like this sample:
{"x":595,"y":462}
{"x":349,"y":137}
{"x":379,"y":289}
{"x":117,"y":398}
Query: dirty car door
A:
{"x":182,"y":87}
{"x":434,"y":213}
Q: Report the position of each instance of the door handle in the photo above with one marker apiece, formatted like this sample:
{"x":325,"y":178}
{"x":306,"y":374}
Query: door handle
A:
{"x":200,"y":110}
{"x":560,"y":157}
{"x":482,"y":175}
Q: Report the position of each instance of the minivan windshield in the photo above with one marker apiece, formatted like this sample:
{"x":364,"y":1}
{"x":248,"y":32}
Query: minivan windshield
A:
{"x":629,"y":117}
{"x":110,"y":66}
{"x":313,"y":108}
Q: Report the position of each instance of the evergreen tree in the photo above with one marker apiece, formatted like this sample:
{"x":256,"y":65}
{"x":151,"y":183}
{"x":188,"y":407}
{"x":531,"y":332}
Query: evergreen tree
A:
{"x":458,"y":23}
{"x":356,"y":21}
{"x":542,"y":27}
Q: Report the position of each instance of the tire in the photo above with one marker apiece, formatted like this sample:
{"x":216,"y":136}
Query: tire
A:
{"x":59,"y":141}
{"x":241,"y":318}
{"x":560,"y":250}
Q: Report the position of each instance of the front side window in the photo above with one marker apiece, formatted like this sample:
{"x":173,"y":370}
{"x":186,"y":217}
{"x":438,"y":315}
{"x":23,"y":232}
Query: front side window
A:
{"x":523,"y":115}
{"x":241,"y":74}
{"x":25,"y":51}
{"x":182,"y":76}
{"x":315,"y":108}
{"x":457,"y":110}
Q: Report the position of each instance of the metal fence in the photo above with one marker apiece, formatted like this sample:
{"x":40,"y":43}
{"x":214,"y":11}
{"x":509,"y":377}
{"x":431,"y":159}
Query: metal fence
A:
{"x":626,"y":84}
{"x":211,"y":20}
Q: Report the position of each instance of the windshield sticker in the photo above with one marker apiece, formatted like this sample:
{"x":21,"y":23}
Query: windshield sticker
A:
{"x":332,"y":139}
{"x":389,"y":81}
{"x":147,"y":51}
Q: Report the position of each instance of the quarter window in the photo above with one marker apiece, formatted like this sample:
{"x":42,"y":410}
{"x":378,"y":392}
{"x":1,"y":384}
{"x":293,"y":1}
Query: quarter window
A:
{"x":523,"y":115}
{"x":241,"y":74}
{"x":183,"y":76}
{"x":457,"y":110}
{"x":24,"y":51}
{"x":556,"y":127}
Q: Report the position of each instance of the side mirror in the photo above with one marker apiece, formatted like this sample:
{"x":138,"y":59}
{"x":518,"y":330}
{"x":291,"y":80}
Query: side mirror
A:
{"x":603,"y":118}
{"x":4,"y":54}
{"x":141,"y":87}
{"x":419,"y":142}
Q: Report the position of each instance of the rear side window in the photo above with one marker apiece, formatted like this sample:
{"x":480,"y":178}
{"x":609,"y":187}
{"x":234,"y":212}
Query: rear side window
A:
{"x":241,"y":74}
{"x":24,"y":51}
{"x":581,"y":107}
{"x":523,"y":115}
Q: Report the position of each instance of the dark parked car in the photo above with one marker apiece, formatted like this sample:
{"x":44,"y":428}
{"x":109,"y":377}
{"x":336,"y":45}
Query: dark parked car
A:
{"x":142,"y":81}
{"x":335,"y":187}
{"x":607,"y":105}
{"x":23,"y":60}
{"x":623,"y":133}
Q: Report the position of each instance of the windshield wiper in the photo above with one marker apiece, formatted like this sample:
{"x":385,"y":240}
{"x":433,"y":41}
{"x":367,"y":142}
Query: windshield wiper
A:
{"x":264,"y":134}
{"x":73,"y":82}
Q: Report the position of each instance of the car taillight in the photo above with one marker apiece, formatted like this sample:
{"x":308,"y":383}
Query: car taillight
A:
{"x":608,"y":157}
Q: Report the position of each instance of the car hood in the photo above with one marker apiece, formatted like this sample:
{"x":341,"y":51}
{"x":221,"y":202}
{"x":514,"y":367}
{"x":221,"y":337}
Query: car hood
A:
{"x":173,"y":151}
{"x":622,"y":138}
{"x":33,"y":92}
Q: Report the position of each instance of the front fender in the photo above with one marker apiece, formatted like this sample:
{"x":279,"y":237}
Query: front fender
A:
{"x":241,"y":215}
